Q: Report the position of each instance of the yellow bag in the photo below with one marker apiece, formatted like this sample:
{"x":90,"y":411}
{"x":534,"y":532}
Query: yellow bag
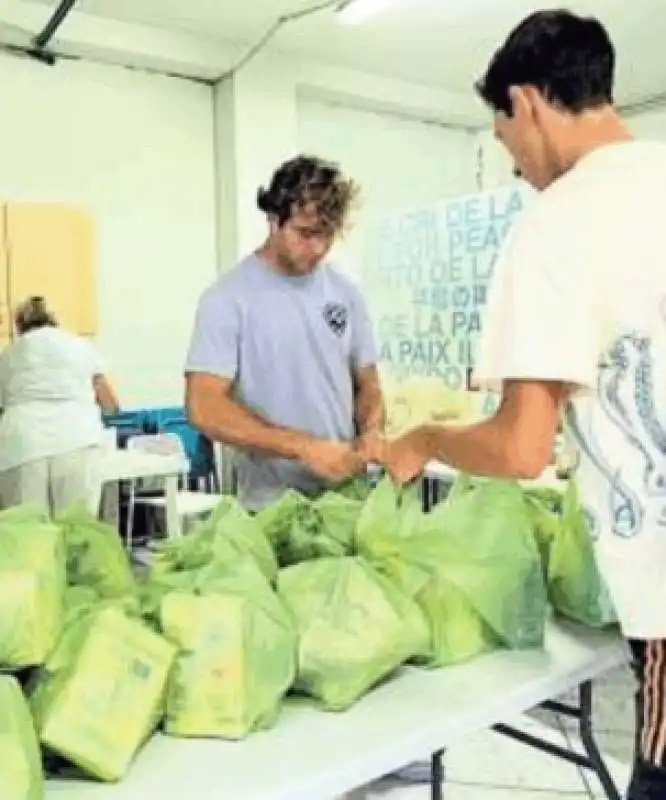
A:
{"x":32,"y":587}
{"x":101,"y":693}
{"x":21,"y":775}
{"x":237,"y":654}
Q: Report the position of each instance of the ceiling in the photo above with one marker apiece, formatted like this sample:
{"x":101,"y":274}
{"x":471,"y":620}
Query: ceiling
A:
{"x":443,"y":43}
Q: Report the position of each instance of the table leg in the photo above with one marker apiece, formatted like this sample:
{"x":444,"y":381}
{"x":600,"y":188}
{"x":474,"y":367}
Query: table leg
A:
{"x":592,"y":759}
{"x":590,"y":744}
{"x":174,"y":523}
{"x":437,"y":776}
{"x":430,"y":493}
{"x":109,"y":511}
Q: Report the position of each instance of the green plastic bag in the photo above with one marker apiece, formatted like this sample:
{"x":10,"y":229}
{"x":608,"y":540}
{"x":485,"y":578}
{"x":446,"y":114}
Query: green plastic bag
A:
{"x":21,"y":776}
{"x":277,"y":518}
{"x":462,"y":484}
{"x":95,"y":555}
{"x":472,"y":565}
{"x":357,"y":488}
{"x":389,"y":514}
{"x":101,"y":693}
{"x":23,"y":514}
{"x":575,"y":587}
{"x":302,"y":529}
{"x":355,"y":628}
{"x":546,"y":497}
{"x":80,"y":600}
{"x":228,"y":534}
{"x":237,"y":651}
{"x":32,"y":587}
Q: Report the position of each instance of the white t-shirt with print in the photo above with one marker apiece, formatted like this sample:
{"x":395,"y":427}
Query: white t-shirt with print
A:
{"x":579,"y":296}
{"x":47,"y":396}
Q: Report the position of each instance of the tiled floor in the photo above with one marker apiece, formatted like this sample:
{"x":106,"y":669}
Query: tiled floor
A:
{"x":492,"y":767}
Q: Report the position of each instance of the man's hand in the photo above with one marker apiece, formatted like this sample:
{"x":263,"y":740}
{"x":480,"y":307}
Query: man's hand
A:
{"x":407,"y":456}
{"x":332,"y":461}
{"x":371,"y":448}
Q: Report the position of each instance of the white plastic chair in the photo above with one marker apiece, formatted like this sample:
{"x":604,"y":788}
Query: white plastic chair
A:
{"x":187,"y":504}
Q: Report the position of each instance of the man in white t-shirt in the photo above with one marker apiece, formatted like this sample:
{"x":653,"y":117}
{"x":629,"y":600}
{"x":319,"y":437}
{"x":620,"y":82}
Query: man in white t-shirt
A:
{"x":576,"y":321}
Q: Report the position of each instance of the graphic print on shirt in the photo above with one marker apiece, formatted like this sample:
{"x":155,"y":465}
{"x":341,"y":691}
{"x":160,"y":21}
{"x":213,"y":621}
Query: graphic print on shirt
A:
{"x":626,"y":393}
{"x":624,"y":507}
{"x":336,"y":317}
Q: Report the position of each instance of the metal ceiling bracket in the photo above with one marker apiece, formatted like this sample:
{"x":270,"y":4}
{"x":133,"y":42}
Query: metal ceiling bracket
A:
{"x":40,"y":41}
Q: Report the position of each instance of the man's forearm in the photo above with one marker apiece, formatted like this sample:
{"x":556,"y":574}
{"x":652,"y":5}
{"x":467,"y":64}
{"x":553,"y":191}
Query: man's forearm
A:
{"x":486,"y":449}
{"x":517,"y":442}
{"x":369,"y":412}
{"x":232,"y":424}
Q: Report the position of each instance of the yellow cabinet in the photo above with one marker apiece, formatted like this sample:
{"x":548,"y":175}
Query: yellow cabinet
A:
{"x":48,"y":250}
{"x":6,"y":322}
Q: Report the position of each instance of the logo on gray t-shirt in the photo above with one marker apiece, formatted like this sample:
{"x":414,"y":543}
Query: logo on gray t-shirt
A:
{"x":336,"y":316}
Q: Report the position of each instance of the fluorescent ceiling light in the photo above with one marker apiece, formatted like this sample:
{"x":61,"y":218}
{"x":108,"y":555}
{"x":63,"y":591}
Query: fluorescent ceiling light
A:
{"x":355,"y":11}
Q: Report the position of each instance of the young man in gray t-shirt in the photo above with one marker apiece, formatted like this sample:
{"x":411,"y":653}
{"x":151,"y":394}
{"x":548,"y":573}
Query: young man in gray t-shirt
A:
{"x":282,"y":363}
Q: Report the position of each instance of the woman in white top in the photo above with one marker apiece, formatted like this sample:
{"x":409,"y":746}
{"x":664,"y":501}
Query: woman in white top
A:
{"x":52,"y":387}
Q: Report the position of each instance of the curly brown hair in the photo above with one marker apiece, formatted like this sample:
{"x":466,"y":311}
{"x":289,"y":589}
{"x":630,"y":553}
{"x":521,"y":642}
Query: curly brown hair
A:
{"x":309,"y":181}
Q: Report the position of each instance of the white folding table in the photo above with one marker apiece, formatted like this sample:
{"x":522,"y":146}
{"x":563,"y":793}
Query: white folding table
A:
{"x":313,"y":755}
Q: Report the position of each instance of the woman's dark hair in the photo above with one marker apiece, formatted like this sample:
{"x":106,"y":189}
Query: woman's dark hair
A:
{"x":33,"y":314}
{"x":569,"y":59}
{"x":305,"y":181}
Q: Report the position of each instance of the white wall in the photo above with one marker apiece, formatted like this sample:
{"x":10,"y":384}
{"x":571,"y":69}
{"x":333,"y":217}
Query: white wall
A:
{"x":399,"y":163}
{"x":138,"y":150}
{"x":277,"y":106}
{"x":649,"y":124}
{"x":496,"y":165}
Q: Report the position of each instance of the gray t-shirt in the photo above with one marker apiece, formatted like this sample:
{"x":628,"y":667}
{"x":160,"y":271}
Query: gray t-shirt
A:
{"x":290,"y":345}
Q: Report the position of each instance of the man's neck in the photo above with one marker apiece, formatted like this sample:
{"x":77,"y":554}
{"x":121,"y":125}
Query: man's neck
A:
{"x":270,"y":259}
{"x":265,"y":253}
{"x":589,"y":132}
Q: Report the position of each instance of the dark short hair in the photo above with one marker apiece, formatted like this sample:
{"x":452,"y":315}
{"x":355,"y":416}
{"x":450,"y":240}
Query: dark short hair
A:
{"x":33,"y":314}
{"x":569,"y":59}
{"x":308,"y":180}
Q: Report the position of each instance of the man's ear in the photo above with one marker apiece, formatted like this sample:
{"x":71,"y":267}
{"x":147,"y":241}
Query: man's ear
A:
{"x":273,"y":224}
{"x":521,"y":101}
